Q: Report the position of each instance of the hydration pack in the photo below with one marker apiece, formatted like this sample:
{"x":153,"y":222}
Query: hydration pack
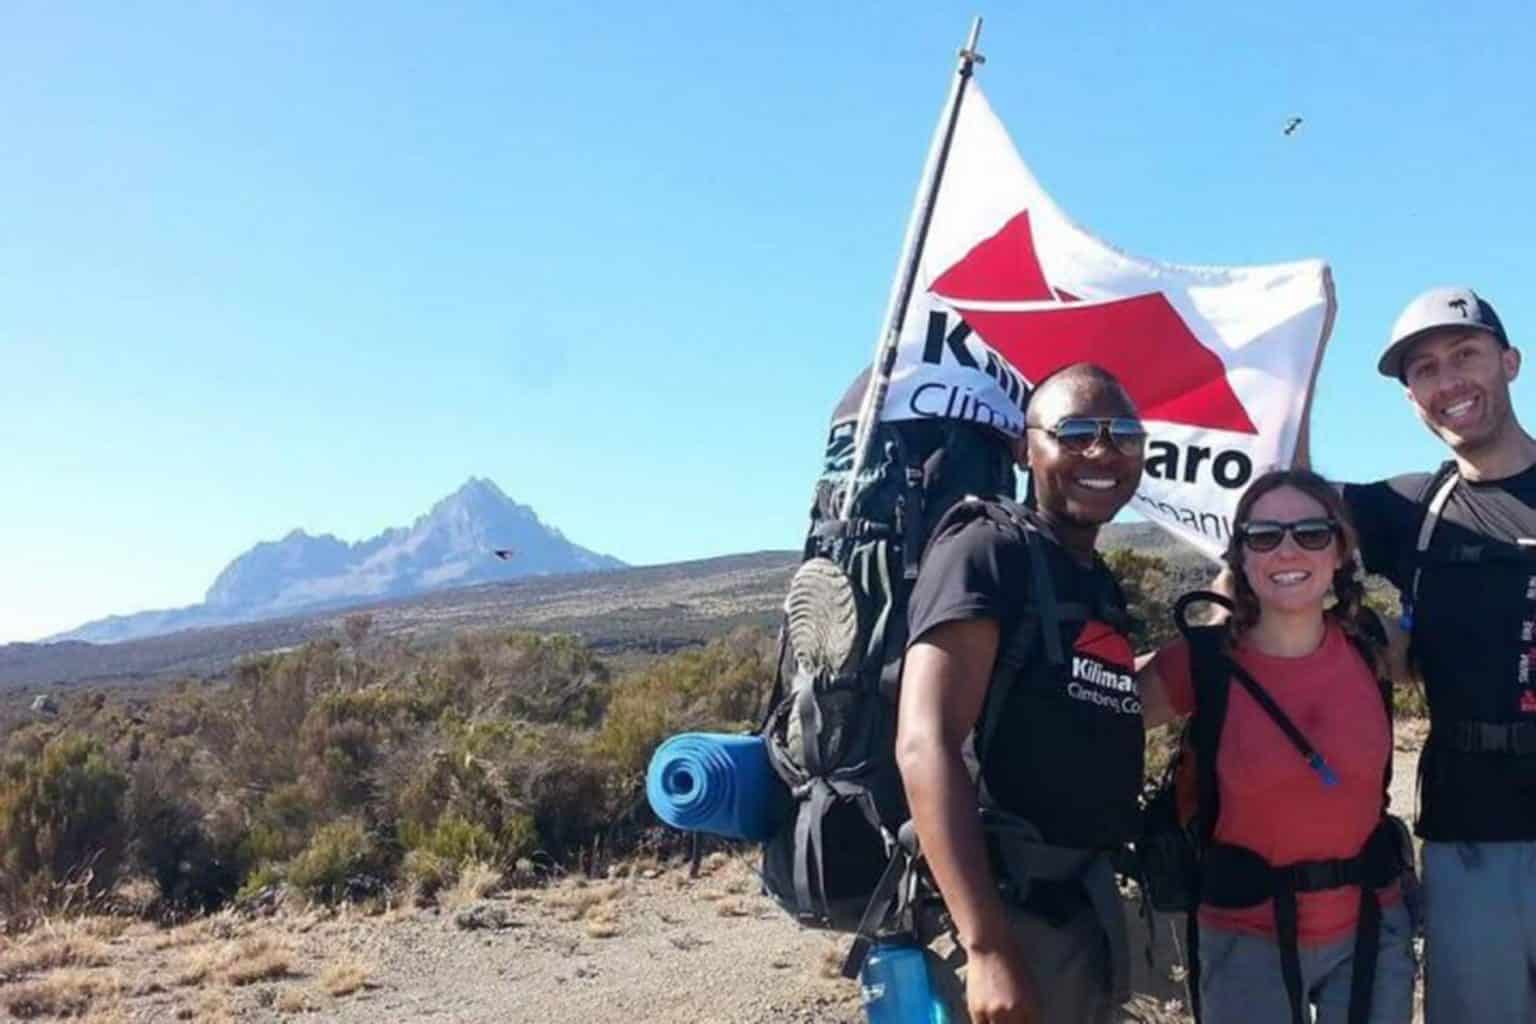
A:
{"x":830,"y":728}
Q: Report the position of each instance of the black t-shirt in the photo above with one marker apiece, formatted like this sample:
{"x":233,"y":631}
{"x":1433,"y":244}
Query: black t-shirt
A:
{"x":1067,"y":753}
{"x":1474,"y":636}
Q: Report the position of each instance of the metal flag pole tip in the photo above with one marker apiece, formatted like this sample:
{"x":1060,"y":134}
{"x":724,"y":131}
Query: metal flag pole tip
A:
{"x":906,"y":271}
{"x":969,"y":54}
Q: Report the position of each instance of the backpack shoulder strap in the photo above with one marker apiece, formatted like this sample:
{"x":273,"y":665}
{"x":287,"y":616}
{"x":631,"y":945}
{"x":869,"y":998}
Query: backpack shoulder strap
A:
{"x":1211,"y":684}
{"x":1371,"y":640}
{"x":1212,"y":668}
{"x":1039,"y":624}
{"x":1436,"y":493}
{"x":962,"y":513}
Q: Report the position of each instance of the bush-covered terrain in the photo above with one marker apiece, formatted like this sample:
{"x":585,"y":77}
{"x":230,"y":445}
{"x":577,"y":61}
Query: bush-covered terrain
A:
{"x":342,"y":768}
{"x":362,"y":763}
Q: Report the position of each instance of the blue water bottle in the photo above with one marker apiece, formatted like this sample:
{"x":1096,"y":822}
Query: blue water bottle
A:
{"x":896,"y":986}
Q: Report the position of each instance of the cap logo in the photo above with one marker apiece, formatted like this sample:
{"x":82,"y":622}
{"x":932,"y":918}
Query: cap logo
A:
{"x":1460,"y":306}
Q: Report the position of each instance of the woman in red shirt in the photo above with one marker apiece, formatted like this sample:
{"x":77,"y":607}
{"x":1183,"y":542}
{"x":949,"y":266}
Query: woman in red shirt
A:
{"x":1292,"y":545}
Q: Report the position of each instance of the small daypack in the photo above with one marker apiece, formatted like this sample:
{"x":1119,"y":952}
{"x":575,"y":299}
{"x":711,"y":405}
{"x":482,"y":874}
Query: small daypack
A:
{"x":1180,"y":863}
{"x":830,"y":726}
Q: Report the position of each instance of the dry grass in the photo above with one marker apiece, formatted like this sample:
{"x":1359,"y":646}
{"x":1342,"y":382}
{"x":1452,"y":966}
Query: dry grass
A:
{"x":294,"y":1000}
{"x":260,"y":957}
{"x":646,"y":866}
{"x":730,"y":879}
{"x":603,"y":921}
{"x":212,"y":1008}
{"x":732,"y":906}
{"x":345,"y":977}
{"x":136,"y":896}
{"x":106,"y":927}
{"x":53,"y":946}
{"x":196,"y":967}
{"x":219,"y":927}
{"x":476,"y":881}
{"x":578,"y":899}
{"x":114,"y":1014}
{"x":67,"y":992}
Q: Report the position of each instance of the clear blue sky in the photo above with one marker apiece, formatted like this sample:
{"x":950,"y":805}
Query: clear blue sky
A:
{"x":278,"y":265}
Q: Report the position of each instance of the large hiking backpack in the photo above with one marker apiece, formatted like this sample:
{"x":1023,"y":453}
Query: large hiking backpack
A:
{"x":831,"y":721}
{"x":1179,"y":859}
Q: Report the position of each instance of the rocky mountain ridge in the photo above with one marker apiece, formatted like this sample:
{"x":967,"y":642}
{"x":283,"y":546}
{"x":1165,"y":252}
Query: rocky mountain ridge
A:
{"x":453,"y":545}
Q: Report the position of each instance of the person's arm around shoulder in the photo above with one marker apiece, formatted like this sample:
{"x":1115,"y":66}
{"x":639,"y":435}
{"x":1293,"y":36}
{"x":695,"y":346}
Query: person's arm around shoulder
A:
{"x":1395,"y":653}
{"x":1162,"y":678}
{"x":944,"y":684}
{"x":1156,"y":707}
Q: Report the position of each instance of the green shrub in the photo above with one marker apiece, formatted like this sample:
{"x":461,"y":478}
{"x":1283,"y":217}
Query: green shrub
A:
{"x":519,"y":837}
{"x":61,"y":819}
{"x":280,"y":826}
{"x":341,"y":855}
{"x":322,"y":765}
{"x":1149,"y":594}
{"x":453,"y":839}
{"x":550,"y":679}
{"x":193,"y":862}
{"x":426,"y":871}
{"x":261,"y":876}
{"x":718,"y":688}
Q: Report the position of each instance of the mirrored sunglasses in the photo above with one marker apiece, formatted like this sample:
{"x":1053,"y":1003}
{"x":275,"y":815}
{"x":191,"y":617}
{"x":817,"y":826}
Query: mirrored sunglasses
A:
{"x":1078,"y":434}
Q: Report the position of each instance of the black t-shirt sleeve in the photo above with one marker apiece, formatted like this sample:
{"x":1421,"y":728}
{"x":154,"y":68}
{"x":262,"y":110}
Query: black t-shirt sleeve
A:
{"x":1386,"y":517}
{"x":977,"y":572}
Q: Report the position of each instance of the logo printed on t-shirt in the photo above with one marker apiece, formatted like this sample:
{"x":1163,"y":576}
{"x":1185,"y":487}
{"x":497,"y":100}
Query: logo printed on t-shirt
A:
{"x":1102,"y":670}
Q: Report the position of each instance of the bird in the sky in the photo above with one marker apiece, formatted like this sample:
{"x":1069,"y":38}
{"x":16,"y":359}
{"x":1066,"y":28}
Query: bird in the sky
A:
{"x":505,"y":554}
{"x":1291,"y":124}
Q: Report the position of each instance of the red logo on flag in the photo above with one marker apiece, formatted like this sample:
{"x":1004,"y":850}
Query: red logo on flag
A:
{"x":1141,"y":339}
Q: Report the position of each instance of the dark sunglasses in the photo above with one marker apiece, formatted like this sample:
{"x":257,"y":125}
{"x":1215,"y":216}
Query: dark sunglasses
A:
{"x":1266,"y":535}
{"x":1078,"y":434}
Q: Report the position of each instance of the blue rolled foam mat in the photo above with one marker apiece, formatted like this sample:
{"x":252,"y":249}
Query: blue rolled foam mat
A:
{"x":717,"y":783}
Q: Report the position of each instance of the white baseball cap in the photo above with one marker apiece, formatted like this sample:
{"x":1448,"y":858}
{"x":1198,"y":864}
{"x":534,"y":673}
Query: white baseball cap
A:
{"x":1431,"y":311}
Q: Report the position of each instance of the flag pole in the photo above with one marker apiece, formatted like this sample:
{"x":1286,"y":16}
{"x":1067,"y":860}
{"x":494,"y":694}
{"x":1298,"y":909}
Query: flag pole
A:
{"x":906,"y":268}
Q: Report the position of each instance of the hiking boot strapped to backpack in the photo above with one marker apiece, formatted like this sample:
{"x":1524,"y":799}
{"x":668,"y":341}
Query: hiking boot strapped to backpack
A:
{"x":830,"y":727}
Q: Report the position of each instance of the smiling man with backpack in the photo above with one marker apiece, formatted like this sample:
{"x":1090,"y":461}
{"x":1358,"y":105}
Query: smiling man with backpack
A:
{"x":1458,"y":543}
{"x":1019,"y":729}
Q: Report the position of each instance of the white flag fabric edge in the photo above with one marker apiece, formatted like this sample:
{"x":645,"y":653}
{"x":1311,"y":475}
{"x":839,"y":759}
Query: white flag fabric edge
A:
{"x":1221,"y":360}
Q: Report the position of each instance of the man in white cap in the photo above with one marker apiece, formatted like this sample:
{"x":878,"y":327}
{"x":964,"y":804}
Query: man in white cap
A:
{"x":1459,"y":545}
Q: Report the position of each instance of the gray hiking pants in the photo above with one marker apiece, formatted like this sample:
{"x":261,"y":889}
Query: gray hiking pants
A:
{"x":1480,"y":926}
{"x":1241,"y":983}
{"x":1070,"y":965}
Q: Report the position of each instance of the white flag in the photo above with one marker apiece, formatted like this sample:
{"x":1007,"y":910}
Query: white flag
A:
{"x":1219,"y":360}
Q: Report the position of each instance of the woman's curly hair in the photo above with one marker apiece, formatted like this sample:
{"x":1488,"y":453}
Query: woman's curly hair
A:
{"x":1349,"y":609}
